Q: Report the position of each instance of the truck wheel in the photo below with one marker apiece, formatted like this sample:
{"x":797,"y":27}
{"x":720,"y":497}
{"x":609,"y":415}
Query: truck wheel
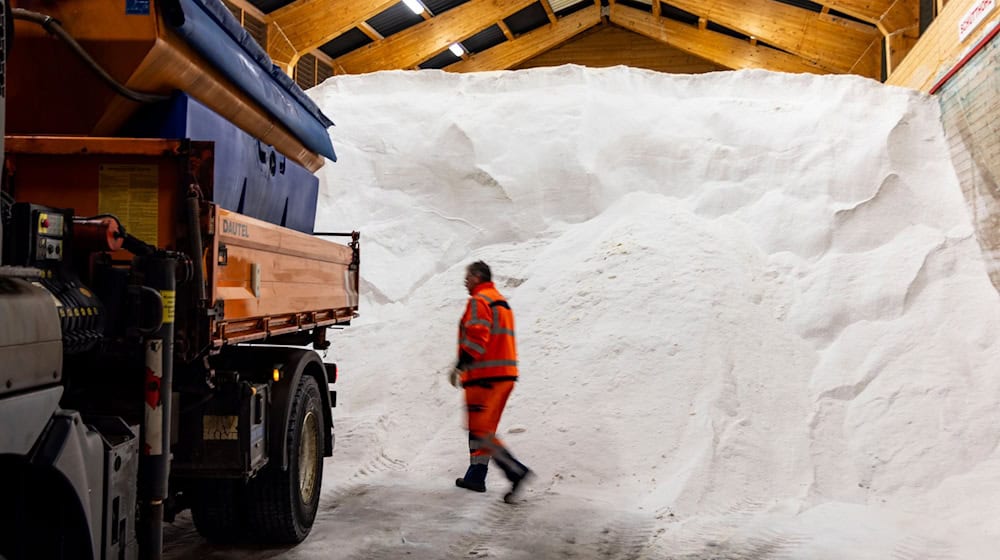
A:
{"x":284,"y":503}
{"x":215,"y":510}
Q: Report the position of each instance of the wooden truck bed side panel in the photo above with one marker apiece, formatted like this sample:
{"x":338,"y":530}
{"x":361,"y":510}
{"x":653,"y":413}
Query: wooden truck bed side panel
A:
{"x":273,"y":280}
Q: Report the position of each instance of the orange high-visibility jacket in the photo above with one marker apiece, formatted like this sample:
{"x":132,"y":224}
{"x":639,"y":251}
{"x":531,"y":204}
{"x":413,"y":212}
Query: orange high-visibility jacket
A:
{"x":486,"y":333}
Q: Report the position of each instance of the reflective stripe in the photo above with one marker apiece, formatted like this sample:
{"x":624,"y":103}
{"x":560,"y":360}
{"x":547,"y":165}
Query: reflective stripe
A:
{"x":488,"y":300}
{"x":472,"y":345}
{"x":492,"y":363}
{"x":502,"y":331}
{"x":479,"y":460}
{"x":478,"y":322}
{"x":506,"y":461}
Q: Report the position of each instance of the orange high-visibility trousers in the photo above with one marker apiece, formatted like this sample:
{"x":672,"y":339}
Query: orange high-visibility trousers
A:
{"x":485,"y":402}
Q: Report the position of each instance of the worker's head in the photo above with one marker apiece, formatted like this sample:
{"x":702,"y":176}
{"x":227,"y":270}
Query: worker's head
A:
{"x":477,"y":273}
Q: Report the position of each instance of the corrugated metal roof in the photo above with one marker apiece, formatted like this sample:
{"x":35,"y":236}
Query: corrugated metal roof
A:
{"x":804,"y":4}
{"x":563,"y":4}
{"x":677,"y":14}
{"x":850,"y":17}
{"x":437,"y":7}
{"x":529,"y":18}
{"x":726,"y":31}
{"x":394,"y":19}
{"x":814,"y":7}
{"x":572,"y":8}
{"x":443,"y":59}
{"x":268,"y":6}
{"x":638,"y":4}
{"x":489,"y":37}
{"x":345,"y":43}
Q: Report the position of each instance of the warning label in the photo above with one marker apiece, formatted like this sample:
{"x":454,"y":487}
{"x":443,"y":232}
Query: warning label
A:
{"x":130,"y":192}
{"x":169,"y":298}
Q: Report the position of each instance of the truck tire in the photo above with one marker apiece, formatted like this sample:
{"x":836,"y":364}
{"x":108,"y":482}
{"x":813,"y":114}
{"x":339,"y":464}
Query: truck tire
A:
{"x":215,"y":510}
{"x":283,"y":503}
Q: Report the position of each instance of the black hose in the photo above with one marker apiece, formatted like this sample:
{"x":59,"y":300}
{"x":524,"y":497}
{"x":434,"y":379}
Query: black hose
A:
{"x":194,"y":235}
{"x":52,"y":25}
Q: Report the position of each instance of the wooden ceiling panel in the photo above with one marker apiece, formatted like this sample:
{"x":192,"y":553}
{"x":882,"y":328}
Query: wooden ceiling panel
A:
{"x":716,"y":47}
{"x":421,"y":42}
{"x":306,"y":25}
{"x":832,"y":43}
{"x":511,"y":53}
{"x":611,"y":45}
{"x":803,"y":38}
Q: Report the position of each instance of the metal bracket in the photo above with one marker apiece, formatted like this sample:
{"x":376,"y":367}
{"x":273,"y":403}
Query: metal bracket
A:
{"x":255,"y":279}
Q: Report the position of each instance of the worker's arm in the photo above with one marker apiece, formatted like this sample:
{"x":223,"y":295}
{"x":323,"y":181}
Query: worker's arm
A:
{"x":475,"y":334}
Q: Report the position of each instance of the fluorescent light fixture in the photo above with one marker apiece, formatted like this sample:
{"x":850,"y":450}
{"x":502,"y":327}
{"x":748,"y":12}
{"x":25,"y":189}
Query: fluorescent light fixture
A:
{"x":414,"y":5}
{"x":456,"y":49}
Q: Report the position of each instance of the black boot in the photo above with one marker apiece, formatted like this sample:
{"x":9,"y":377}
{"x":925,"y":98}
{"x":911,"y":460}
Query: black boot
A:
{"x":517,"y":485}
{"x":517,"y":473}
{"x":474,"y":479}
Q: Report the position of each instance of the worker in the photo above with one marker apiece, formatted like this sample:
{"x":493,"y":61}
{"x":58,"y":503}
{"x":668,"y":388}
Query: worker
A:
{"x":487,"y":370}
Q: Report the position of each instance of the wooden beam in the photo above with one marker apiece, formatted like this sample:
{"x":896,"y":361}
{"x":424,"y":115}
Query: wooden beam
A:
{"x":656,"y":8}
{"x":866,"y":10}
{"x":903,"y":14}
{"x":869,"y":64}
{"x":511,"y":53}
{"x":548,"y":11}
{"x":246,"y":6}
{"x":370,"y":31}
{"x":422,"y":41}
{"x":832,"y":43}
{"x":939,"y":48}
{"x":603,"y":46}
{"x":505,"y":30}
{"x":889,"y":15}
{"x":305,"y":25}
{"x":721,"y":49}
{"x":898,"y":45}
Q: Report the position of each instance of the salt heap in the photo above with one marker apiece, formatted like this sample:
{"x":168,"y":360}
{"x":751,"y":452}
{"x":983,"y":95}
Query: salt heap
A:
{"x":752,"y":312}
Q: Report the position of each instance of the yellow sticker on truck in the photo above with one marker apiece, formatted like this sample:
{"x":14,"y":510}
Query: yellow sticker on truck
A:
{"x":169,"y":298}
{"x":131,"y":192}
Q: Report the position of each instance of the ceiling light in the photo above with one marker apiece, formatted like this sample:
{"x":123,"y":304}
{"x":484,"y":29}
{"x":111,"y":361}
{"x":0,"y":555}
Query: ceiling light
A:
{"x":414,"y":5}
{"x":456,"y":49}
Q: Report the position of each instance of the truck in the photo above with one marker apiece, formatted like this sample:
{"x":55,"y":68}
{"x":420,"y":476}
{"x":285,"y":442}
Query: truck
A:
{"x":164,"y":298}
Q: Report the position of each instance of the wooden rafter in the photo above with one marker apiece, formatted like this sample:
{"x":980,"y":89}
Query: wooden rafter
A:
{"x":901,"y":15}
{"x":511,"y":53}
{"x":505,"y":30}
{"x":897,"y":20}
{"x":867,"y":10}
{"x":370,"y":31}
{"x":412,"y":46}
{"x":548,"y":11}
{"x":832,"y":43}
{"x":889,"y":15}
{"x":305,"y":25}
{"x":716,"y":47}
